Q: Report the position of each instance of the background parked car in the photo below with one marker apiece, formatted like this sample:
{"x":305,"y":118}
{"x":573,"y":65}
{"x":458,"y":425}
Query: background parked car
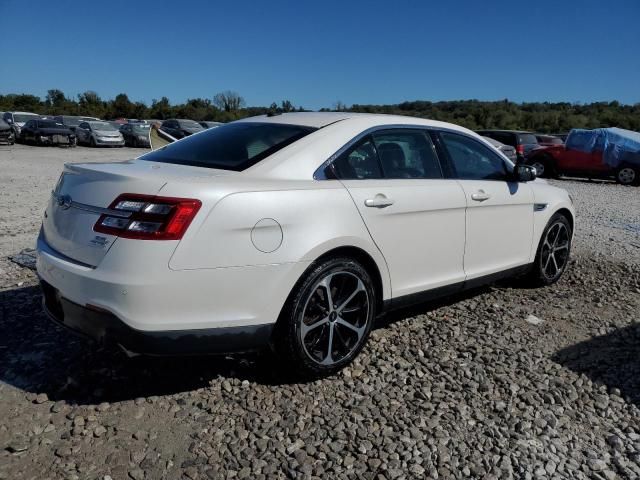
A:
{"x":99,"y":134}
{"x":17,"y":120}
{"x":47,"y":132}
{"x":179,"y":128}
{"x":583,"y":155}
{"x":523,"y":142}
{"x":71,"y":121}
{"x":548,"y":140}
{"x":6,"y":133}
{"x":508,"y":150}
{"x":136,"y":134}
{"x":207,"y":125}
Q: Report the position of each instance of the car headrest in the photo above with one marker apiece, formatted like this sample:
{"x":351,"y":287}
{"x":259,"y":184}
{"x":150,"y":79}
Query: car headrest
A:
{"x":391,"y":154}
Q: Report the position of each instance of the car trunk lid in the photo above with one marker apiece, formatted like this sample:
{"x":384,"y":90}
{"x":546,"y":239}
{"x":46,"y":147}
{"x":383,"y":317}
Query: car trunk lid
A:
{"x":85,"y":191}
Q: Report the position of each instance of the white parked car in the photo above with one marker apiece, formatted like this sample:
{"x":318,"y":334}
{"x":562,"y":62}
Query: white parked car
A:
{"x":17,"y":120}
{"x":293,"y":231}
{"x":99,"y":134}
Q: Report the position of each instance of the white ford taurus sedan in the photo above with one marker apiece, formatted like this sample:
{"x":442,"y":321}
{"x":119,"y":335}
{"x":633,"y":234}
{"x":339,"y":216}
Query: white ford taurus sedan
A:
{"x":292,"y":231}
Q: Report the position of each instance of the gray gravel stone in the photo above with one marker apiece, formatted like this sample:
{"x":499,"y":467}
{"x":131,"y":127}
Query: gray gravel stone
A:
{"x":463,"y":388}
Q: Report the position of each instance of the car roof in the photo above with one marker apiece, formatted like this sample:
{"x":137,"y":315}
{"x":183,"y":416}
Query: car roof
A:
{"x":25,"y":113}
{"x":323,"y":119}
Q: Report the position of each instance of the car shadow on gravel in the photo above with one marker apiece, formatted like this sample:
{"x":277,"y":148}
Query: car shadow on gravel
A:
{"x":38,"y":356}
{"x":404,"y":313}
{"x":612,"y":360}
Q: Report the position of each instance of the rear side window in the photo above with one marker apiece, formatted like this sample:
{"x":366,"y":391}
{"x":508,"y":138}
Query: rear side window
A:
{"x":527,"y":138}
{"x":235,"y":146}
{"x":406,"y":154}
{"x":472,"y":160}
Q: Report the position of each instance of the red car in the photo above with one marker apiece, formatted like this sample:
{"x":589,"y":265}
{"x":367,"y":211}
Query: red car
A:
{"x":560,"y":160}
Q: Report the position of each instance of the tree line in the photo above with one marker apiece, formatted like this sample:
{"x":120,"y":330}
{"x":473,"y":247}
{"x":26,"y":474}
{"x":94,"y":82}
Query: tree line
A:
{"x":227,"y":106}
{"x":222,"y":107}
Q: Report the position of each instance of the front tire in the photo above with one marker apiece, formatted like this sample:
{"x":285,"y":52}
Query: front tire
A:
{"x":327,"y":318}
{"x":553,"y":252}
{"x":627,"y":175}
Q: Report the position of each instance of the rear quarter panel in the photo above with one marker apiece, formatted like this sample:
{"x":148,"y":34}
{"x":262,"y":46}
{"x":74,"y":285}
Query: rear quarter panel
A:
{"x":311,"y":219}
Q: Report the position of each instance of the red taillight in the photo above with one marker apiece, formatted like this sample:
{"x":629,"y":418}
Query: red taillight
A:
{"x":147,"y":217}
{"x":520,"y":149}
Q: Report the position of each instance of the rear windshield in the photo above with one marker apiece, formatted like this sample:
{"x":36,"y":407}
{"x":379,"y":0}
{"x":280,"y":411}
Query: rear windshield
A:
{"x":527,"y":138}
{"x":190,"y":124}
{"x":235,"y":146}
{"x":23,"y":117}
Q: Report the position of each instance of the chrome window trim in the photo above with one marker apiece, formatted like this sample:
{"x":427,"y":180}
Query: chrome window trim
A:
{"x":320,"y":175}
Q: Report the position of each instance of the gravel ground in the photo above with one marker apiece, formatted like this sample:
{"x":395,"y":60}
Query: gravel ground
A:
{"x":503,"y":382}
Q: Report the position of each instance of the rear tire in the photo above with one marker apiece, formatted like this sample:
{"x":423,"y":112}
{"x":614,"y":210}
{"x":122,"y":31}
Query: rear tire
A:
{"x":553,"y":252}
{"x":627,"y":175}
{"x":327,"y":318}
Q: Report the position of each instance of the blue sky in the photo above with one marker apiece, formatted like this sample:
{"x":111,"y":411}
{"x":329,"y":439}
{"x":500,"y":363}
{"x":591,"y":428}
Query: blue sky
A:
{"x":318,"y":53}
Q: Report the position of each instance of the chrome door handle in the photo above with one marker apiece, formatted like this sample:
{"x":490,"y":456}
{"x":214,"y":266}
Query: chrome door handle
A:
{"x":379,"y":201}
{"x":480,"y":196}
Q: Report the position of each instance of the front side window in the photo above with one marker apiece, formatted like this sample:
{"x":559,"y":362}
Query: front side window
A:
{"x":406,"y":154}
{"x":235,"y":146}
{"x":358,"y":163}
{"x":471,"y":160}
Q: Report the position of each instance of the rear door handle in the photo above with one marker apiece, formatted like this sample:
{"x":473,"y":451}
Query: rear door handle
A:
{"x":379,"y":201}
{"x":480,"y":196}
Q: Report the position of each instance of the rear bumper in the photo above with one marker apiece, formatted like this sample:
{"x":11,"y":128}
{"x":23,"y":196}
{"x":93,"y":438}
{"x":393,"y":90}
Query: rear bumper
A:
{"x":134,"y":299}
{"x":105,"y":328}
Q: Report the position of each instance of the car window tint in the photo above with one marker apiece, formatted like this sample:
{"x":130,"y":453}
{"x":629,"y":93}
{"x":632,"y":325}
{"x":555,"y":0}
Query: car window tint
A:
{"x":406,"y":154}
{"x":235,"y":146}
{"x":358,"y":163}
{"x":472,"y":160}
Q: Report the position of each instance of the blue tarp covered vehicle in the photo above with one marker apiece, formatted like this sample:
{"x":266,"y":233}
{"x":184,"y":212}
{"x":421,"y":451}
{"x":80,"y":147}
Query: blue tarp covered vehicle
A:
{"x":618,"y":146}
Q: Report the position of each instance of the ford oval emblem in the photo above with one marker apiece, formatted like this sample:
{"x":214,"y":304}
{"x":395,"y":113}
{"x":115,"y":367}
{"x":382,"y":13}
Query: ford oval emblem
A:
{"x":64,"y":201}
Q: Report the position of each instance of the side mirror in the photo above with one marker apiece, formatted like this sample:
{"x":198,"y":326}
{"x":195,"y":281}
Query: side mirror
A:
{"x":524,"y":173}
